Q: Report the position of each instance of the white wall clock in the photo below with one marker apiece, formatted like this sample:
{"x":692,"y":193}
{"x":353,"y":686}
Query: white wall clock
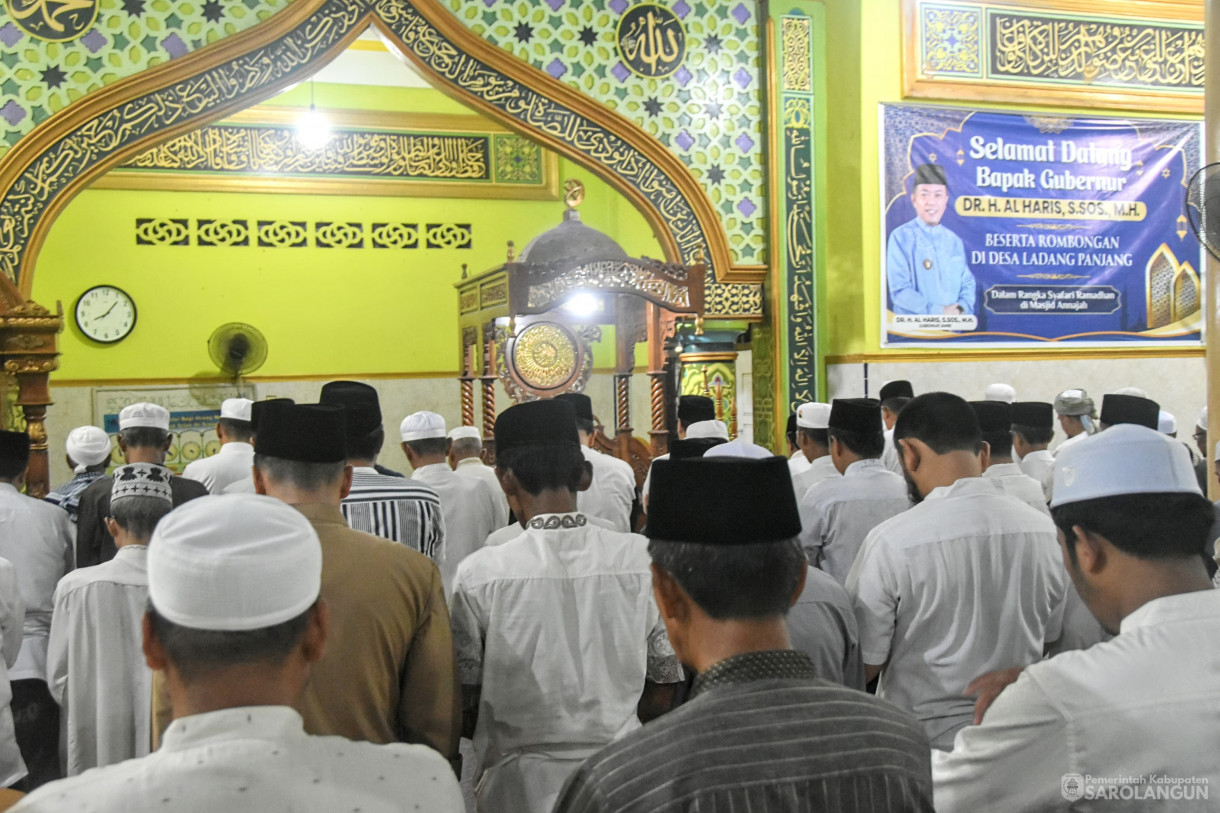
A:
{"x":105,"y":314}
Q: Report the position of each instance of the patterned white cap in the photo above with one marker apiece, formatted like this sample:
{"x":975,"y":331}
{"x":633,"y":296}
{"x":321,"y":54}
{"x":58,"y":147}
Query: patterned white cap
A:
{"x":1166,"y":424}
{"x":1201,"y":421}
{"x":234,"y":562}
{"x":463,"y":432}
{"x":144,"y":414}
{"x":739,"y":447}
{"x":236,"y":409}
{"x":1124,"y":459}
{"x":813,"y":416}
{"x":1000,"y":392}
{"x":1136,"y":391}
{"x":708,"y":429}
{"x":422,"y":425}
{"x":142,"y":480}
{"x":87,"y":445}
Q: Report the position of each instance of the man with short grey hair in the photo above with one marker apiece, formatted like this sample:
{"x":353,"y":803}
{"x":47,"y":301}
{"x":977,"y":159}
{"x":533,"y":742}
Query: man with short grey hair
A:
{"x":237,"y":618}
{"x":465,"y":458}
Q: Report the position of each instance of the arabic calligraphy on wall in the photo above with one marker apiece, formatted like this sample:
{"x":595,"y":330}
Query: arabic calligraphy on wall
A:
{"x":1055,"y":53}
{"x":651,"y":40}
{"x":53,"y":20}
{"x":224,"y":157}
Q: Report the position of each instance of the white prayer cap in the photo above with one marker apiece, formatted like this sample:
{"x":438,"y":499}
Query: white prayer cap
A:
{"x":142,"y":480}
{"x":1073,"y":402}
{"x":422,"y":425}
{"x":143,"y":414}
{"x":236,"y":409}
{"x":1125,"y":459}
{"x":233,"y":562}
{"x":1166,"y":424}
{"x":87,"y":445}
{"x":1136,"y":391}
{"x":813,"y":416}
{"x":708,"y":429}
{"x":1000,"y":392}
{"x":739,"y":447}
{"x":1201,"y":421}
{"x":464,"y":432}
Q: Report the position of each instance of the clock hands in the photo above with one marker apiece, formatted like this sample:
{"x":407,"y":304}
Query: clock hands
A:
{"x":108,"y":310}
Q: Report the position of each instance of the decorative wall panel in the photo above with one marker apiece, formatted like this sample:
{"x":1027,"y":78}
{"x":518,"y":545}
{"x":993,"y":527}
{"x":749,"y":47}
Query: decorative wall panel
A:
{"x":243,"y":233}
{"x":1140,"y":54}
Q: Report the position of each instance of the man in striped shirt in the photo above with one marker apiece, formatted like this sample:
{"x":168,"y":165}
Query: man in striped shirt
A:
{"x":760,"y":732}
{"x":393,"y":508}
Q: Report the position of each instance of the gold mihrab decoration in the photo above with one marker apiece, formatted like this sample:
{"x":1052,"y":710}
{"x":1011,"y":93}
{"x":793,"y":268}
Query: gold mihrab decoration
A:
{"x":545,"y":356}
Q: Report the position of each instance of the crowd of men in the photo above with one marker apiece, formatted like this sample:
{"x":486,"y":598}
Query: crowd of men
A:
{"x":924,"y":607}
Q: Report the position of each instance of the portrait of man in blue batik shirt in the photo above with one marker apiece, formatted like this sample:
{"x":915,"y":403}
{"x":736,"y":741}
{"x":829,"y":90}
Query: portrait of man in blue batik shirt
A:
{"x":925,"y":263}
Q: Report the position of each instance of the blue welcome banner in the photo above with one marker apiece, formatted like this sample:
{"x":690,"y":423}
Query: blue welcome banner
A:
{"x":1011,"y":230}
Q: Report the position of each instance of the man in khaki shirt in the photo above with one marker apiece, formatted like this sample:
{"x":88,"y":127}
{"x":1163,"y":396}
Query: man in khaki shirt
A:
{"x":388,"y":672}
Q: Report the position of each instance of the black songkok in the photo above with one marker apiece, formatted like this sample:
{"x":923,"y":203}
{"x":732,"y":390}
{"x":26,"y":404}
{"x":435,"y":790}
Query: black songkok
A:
{"x":537,"y":423}
{"x":306,"y":433}
{"x":261,"y":408}
{"x":1116,"y":409}
{"x":896,"y":389}
{"x":860,"y":415}
{"x":790,"y":430}
{"x":695,"y":408}
{"x":15,"y":446}
{"x":1036,"y":414}
{"x":361,"y":402}
{"x":580,"y":402}
{"x":722,"y":501}
{"x":929,"y":173}
{"x":691,"y":448}
{"x":993,"y":416}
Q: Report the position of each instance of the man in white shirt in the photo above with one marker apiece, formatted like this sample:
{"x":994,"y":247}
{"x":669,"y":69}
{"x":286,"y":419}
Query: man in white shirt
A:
{"x":235,"y":620}
{"x":893,"y":396}
{"x":1077,"y":416}
{"x":612,"y":492}
{"x":465,"y":450}
{"x":995,"y":423}
{"x":1123,"y":720}
{"x":467,"y":505}
{"x":234,"y":460}
{"x":966,"y":582}
{"x":796,"y":458}
{"x":559,"y":641}
{"x":812,"y":420}
{"x":838,"y":515}
{"x":17,"y":517}
{"x":1033,"y":427}
{"x":384,"y":505}
{"x":696,"y":422}
{"x":95,"y":665}
{"x":36,"y":537}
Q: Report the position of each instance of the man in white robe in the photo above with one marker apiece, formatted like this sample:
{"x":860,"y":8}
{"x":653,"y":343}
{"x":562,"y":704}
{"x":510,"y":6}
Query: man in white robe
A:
{"x":693,"y":411}
{"x":467,"y":505}
{"x":465,"y":450}
{"x":893,"y":396}
{"x":612,"y":492}
{"x":995,"y":423}
{"x":233,"y":462}
{"x":1033,"y":428}
{"x":16,"y":517}
{"x":95,"y":664}
{"x":1077,"y":417}
{"x":812,"y":419}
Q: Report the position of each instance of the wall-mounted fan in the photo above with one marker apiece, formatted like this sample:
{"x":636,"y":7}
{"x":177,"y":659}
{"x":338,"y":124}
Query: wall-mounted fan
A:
{"x":237,"y":349}
{"x":1203,"y":207}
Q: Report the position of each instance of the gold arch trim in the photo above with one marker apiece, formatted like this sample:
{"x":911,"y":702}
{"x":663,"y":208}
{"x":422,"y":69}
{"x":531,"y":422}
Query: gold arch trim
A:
{"x":546,"y":110}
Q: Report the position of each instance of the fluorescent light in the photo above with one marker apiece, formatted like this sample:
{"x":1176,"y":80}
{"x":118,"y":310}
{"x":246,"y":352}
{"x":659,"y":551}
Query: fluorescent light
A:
{"x":583,"y":304}
{"x":313,"y":129}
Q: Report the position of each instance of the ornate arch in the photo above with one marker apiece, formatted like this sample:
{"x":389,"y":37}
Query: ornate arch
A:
{"x":48,"y":167}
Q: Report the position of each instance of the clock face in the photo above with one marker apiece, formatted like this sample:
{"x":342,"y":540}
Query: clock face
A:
{"x":105,"y":314}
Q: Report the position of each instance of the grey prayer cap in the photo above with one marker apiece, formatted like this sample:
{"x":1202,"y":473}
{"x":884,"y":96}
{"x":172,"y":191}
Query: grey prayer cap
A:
{"x":1073,"y":402}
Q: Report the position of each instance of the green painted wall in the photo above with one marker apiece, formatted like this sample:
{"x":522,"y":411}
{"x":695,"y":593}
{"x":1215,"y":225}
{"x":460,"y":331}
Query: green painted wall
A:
{"x":324,"y":311}
{"x":864,"y":56}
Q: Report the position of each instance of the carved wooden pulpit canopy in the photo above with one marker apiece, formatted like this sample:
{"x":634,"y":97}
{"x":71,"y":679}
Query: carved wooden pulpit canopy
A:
{"x":531,"y":321}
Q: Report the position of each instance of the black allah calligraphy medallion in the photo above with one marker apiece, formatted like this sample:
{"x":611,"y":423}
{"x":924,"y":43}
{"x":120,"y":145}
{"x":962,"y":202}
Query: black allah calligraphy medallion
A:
{"x":53,"y":20}
{"x":651,"y":40}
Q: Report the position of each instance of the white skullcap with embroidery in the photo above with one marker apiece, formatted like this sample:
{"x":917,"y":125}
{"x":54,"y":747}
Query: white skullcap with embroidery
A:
{"x":143,"y":414}
{"x":813,"y":416}
{"x":236,"y":409}
{"x":1124,"y":459}
{"x":87,"y":445}
{"x":465,"y":432}
{"x":234,"y":562}
{"x":421,"y":426}
{"x":142,"y":480}
{"x":708,"y":429}
{"x":739,"y":447}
